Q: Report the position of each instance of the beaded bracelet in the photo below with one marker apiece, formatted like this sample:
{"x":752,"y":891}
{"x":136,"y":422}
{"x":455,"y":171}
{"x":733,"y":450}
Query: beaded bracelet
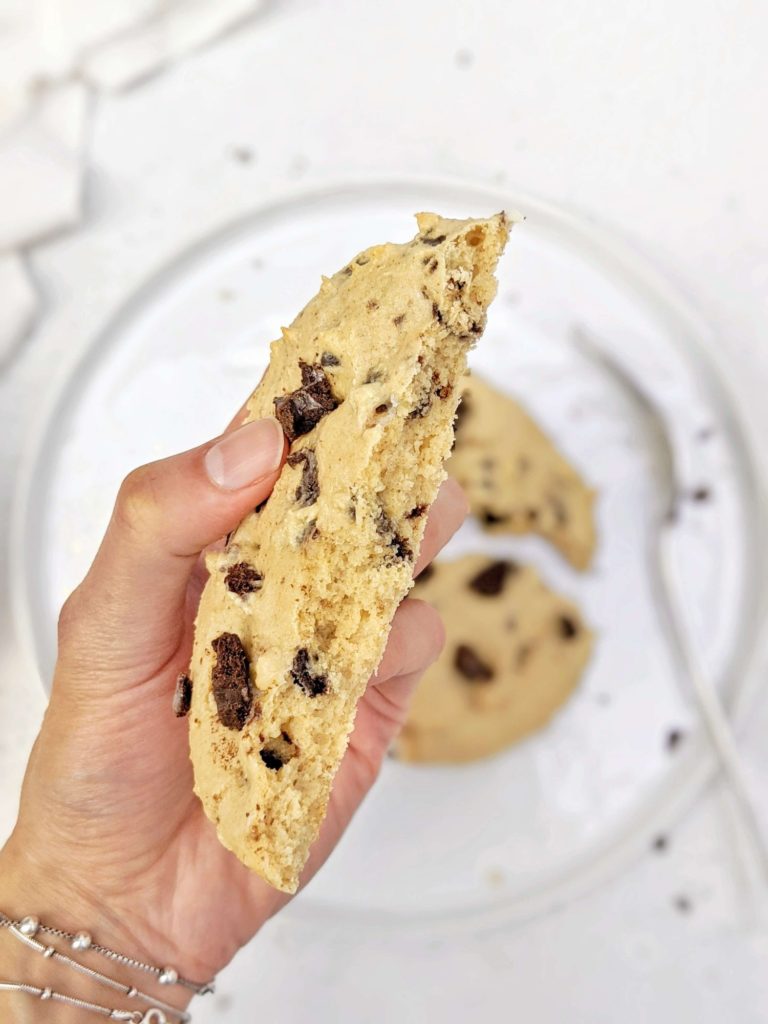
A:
{"x":26,"y":930}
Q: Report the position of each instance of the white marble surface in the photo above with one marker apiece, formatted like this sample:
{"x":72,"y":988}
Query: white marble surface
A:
{"x":646,"y":116}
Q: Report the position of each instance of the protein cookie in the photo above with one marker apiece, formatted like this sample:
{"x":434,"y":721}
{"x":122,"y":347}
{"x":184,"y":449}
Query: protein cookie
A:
{"x":515,"y":651}
{"x":296,"y":613}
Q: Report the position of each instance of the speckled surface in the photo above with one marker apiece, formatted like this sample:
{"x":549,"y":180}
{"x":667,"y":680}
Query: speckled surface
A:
{"x":614,"y":110}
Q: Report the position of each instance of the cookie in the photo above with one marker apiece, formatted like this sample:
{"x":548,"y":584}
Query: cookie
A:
{"x":296,"y":612}
{"x":515,"y":651}
{"x":516,"y":479}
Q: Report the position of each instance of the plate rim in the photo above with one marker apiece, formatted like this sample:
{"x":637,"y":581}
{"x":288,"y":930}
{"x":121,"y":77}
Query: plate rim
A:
{"x":627,"y":840}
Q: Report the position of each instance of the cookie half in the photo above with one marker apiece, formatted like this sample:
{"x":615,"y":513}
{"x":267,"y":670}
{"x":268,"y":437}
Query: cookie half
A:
{"x":516,"y":479}
{"x":296,"y":613}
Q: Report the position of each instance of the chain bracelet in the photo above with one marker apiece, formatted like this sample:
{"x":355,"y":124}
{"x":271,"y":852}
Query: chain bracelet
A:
{"x":151,"y":1016}
{"x":81,"y":940}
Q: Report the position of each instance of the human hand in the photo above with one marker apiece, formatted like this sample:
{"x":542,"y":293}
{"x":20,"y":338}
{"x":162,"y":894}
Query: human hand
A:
{"x":110,"y":836}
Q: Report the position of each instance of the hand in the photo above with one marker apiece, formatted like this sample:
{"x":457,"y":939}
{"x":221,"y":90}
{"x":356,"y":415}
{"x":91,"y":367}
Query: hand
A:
{"x":109,"y":834}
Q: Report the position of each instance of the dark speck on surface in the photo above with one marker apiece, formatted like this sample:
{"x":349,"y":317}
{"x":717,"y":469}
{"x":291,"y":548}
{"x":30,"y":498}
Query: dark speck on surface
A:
{"x":242,"y":154}
{"x":701,"y":494}
{"x":464,"y":58}
{"x":705,"y":434}
{"x":683,"y":904}
{"x":660,"y":844}
{"x":673,"y":739}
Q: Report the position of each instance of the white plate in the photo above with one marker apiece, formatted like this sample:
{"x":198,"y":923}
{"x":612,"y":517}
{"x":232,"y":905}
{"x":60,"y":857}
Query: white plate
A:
{"x":512,"y":835}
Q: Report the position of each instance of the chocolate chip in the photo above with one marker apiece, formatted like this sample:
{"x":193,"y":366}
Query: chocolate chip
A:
{"x":673,"y":739}
{"x":362,"y":260}
{"x":396,"y":541}
{"x":271,"y":759}
{"x":381,"y":409}
{"x":417,"y":512}
{"x":444,"y":391}
{"x":492,"y":518}
{"x":347,"y":271}
{"x":433,"y":265}
{"x":568,"y":627}
{"x":329,"y":359}
{"x":182,"y":697}
{"x":309,"y":488}
{"x":490,"y":581}
{"x":313,"y":685}
{"x":242,"y":579}
{"x":231,"y":681}
{"x":436,"y":313}
{"x":433,"y":241}
{"x":371,"y":304}
{"x":302,"y":409}
{"x":471,"y":666}
{"x":397,"y":320}
{"x":373,"y":377}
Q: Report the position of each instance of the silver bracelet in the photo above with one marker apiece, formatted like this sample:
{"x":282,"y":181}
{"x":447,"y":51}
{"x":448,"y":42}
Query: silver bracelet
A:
{"x":81,"y":940}
{"x":152,"y":1016}
{"x":129,"y":991}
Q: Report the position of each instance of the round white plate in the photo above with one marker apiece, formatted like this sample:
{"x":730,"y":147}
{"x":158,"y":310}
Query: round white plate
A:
{"x":514,"y":834}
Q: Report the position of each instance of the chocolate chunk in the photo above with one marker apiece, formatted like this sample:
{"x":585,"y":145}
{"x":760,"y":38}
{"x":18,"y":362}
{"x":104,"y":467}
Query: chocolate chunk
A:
{"x":362,"y":260}
{"x":303,"y":677}
{"x":242,"y":579}
{"x":471,"y":666}
{"x":568,"y":627}
{"x":397,"y":320}
{"x":436,"y":313}
{"x":309,"y":488}
{"x":492,"y":518}
{"x":302,"y":409}
{"x":433,"y":265}
{"x":381,"y":409}
{"x":398,"y":543}
{"x":231,"y":681}
{"x":417,"y":512}
{"x":674,"y":738}
{"x":444,"y":391}
{"x":182,"y":697}
{"x":433,"y":241}
{"x":271,"y":759}
{"x":347,"y":271}
{"x":329,"y":359}
{"x":371,"y":304}
{"x":490,"y":581}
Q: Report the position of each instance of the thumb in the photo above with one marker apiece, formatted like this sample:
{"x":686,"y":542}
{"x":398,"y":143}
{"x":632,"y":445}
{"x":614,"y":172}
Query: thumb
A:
{"x":129,"y":612}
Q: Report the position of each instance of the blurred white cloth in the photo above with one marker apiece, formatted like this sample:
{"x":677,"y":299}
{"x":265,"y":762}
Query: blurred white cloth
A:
{"x":51,"y":53}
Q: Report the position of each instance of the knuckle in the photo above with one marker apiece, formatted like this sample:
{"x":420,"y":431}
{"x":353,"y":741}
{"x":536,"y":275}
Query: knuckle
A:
{"x":137,"y":500}
{"x":68,"y":616}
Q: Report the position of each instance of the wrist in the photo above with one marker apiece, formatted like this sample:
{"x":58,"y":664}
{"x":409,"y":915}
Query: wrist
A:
{"x":27,"y":889}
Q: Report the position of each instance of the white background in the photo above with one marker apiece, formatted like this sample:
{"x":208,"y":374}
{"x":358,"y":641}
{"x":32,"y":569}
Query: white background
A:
{"x":646,"y":116}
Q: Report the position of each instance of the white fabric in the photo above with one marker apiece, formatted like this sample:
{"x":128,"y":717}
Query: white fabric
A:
{"x":18,"y":304}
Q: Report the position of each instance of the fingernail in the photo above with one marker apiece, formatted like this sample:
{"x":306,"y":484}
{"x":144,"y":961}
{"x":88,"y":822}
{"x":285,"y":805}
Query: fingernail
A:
{"x":245,"y":456}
